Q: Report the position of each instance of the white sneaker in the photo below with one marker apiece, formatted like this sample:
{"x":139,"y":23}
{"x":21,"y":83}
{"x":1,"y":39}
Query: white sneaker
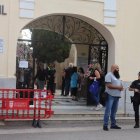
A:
{"x":99,"y":106}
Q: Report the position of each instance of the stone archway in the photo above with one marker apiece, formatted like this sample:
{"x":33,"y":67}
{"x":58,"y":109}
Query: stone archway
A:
{"x":79,"y":32}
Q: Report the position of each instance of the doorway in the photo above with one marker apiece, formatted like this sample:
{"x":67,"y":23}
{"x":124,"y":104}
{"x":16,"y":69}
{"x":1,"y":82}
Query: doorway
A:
{"x":69,"y":31}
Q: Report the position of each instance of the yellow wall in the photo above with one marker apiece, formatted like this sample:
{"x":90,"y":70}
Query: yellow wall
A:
{"x":128,"y":32}
{"x":122,"y":38}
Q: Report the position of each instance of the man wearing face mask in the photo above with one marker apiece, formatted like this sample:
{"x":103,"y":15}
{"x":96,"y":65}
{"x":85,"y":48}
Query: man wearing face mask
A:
{"x":113,"y":91}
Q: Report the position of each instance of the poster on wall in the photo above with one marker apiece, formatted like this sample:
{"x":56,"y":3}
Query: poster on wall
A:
{"x":23,"y":64}
{"x":1,"y":45}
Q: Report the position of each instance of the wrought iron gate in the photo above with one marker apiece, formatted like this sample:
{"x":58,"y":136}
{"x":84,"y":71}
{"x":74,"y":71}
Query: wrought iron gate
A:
{"x":99,"y":54}
{"x":73,"y":31}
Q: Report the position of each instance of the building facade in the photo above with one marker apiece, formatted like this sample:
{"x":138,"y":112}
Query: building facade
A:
{"x":117,"y":21}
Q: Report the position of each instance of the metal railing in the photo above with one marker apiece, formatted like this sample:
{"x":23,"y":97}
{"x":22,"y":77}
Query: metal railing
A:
{"x":128,"y":107}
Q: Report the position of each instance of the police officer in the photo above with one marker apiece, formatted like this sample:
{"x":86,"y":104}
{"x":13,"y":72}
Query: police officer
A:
{"x":135,"y":86}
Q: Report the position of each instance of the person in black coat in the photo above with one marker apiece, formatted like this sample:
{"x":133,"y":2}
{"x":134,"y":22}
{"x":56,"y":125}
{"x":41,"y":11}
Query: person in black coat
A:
{"x":51,"y":78}
{"x":135,"y":86}
{"x":41,"y":76}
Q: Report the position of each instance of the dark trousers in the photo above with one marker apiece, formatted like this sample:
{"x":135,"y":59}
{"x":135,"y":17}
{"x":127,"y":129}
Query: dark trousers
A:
{"x":63,"y":87}
{"x":136,"y":103}
{"x":74,"y":91}
{"x":89,"y":95}
{"x":67,"y":86}
{"x":51,"y":87}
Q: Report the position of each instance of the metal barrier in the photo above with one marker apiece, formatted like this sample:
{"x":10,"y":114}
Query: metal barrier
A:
{"x":25,"y":104}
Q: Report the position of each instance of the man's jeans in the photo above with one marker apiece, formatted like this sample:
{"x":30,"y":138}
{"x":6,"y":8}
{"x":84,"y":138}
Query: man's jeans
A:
{"x":110,"y":110}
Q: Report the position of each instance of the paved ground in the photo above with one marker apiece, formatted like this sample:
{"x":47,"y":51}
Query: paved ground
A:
{"x":78,"y":133}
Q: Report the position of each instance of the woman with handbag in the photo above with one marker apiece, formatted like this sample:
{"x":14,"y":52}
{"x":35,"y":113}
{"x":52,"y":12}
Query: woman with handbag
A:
{"x":94,"y":87}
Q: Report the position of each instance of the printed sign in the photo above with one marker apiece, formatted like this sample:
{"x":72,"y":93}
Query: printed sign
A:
{"x":16,"y":104}
{"x":1,"y":45}
{"x":23,"y":64}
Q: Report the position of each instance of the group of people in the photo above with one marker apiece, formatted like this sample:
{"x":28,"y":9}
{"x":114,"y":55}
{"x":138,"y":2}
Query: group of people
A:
{"x":72,"y":81}
{"x":45,"y":77}
{"x":114,"y":86}
{"x":77,"y":82}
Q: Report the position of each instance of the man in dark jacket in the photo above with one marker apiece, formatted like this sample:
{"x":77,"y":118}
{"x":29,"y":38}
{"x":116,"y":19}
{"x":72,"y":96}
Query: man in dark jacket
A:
{"x":41,"y":76}
{"x":51,"y":72}
{"x":135,"y":86}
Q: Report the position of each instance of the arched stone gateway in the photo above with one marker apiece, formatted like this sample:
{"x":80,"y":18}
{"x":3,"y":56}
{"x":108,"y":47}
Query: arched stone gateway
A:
{"x":77,"y":32}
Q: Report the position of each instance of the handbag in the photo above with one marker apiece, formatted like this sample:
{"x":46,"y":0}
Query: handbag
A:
{"x":94,"y":87}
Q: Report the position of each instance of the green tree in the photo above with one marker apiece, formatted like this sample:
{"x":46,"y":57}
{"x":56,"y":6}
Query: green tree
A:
{"x":50,"y":46}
